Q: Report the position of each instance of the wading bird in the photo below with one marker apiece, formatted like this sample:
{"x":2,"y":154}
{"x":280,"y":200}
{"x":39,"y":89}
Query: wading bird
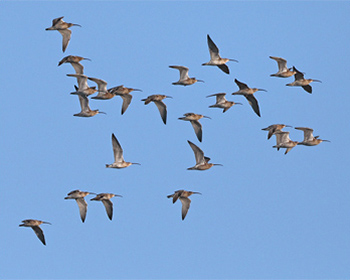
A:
{"x":61,"y":26}
{"x":215,"y":58}
{"x":283,"y":70}
{"x":85,"y":108}
{"x":283,"y":141}
{"x":34,"y":224}
{"x":83,"y":87}
{"x":193,"y":118}
{"x":183,"y":196}
{"x":309,"y":138}
{"x":300,"y":81}
{"x":105,"y":198}
{"x":184,"y":80}
{"x":119,"y":161}
{"x":201,"y":160}
{"x":273,"y":128}
{"x":124,"y":93}
{"x":248,"y":92}
{"x":103,"y":93}
{"x":79,"y":198}
{"x":222,"y":103}
{"x":74,"y":61}
{"x":157,"y":99}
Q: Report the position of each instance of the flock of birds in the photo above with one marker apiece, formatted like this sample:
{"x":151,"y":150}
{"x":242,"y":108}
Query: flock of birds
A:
{"x":83,"y":90}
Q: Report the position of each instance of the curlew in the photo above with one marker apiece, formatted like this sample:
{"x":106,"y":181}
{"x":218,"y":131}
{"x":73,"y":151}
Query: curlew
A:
{"x":183,"y":196}
{"x":309,"y":138}
{"x":215,"y":58}
{"x":283,"y":141}
{"x":79,"y":198}
{"x":157,"y":99}
{"x":74,"y":61}
{"x":193,"y":118}
{"x":300,"y":81}
{"x":85,"y":108}
{"x":184,"y":80}
{"x":105,"y":198}
{"x":124,"y":93}
{"x":61,"y":26}
{"x":34,"y":224}
{"x":103,"y":93}
{"x":283,"y":70}
{"x":119,"y":161}
{"x":202,"y":162}
{"x":248,"y":92}
{"x":221,"y":102}
{"x":273,"y":128}
{"x":83,"y":87}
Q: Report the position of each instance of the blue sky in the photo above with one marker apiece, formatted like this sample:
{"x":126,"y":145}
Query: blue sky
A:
{"x":262,"y":215}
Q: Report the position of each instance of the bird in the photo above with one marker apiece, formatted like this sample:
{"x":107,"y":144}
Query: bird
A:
{"x":79,"y":198}
{"x":215,"y":58}
{"x":119,"y":161}
{"x":283,"y":141}
{"x":61,"y":26}
{"x":248,"y":92}
{"x":202,"y":162}
{"x":283,"y":70}
{"x":193,"y":118}
{"x":183,"y":196}
{"x":105,"y":198}
{"x":157,"y":99}
{"x":184,"y":80}
{"x":309,"y":138}
{"x":85,"y":108}
{"x":74,"y":61}
{"x":103,"y":93}
{"x":222,"y":103}
{"x":83,"y":87}
{"x":124,"y":93}
{"x":34,"y":224}
{"x":299,"y":80}
{"x":273,"y":128}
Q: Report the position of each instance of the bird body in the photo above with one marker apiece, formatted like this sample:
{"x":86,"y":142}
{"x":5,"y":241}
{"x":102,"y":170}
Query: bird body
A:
{"x":215,"y":58}
{"x":221,"y":102}
{"x":184,"y":80}
{"x":283,"y":70}
{"x":105,"y":199}
{"x":119,"y":161}
{"x":193,"y":118}
{"x":183,"y":196}
{"x":283,"y":141}
{"x":202,"y":162}
{"x":74,"y":61}
{"x":124,"y":93}
{"x":79,"y":198}
{"x":103,"y":93}
{"x":299,"y":80}
{"x":309,"y":138}
{"x":157,"y":99}
{"x":34,"y":224}
{"x":273,"y":128}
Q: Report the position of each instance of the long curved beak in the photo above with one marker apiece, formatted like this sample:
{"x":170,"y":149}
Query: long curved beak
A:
{"x":288,"y":125}
{"x":74,"y":24}
{"x":261,"y":89}
{"x":168,"y":96}
{"x":217,"y":164}
{"x":326,"y":141}
{"x":136,"y":163}
{"x":86,"y":59}
{"x":92,"y":193}
{"x":238,"y":103}
{"x":230,"y":59}
{"x":196,"y":192}
{"x":118,"y":195}
{"x":317,"y":81}
{"x":206,"y":117}
{"x":47,"y":223}
{"x":136,"y":89}
{"x":200,"y":81}
{"x":102,"y":113}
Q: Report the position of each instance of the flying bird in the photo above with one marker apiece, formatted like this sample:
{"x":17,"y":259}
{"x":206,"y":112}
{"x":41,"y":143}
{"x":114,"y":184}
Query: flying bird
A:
{"x":124,"y":93}
{"x":184,"y":80}
{"x":193,"y":118}
{"x":157,"y":99}
{"x":83,"y":87}
{"x":79,"y":198}
{"x":119,"y":161}
{"x":283,"y":141}
{"x":103,"y":93}
{"x":300,"y":81}
{"x":221,"y":102}
{"x":248,"y":92}
{"x":273,"y":128}
{"x":309,"y":138}
{"x":105,"y":198}
{"x":61,"y":26}
{"x":85,"y":108}
{"x":75,"y":62}
{"x":215,"y":58}
{"x":183,"y":196}
{"x":34,"y":224}
{"x":283,"y":70}
{"x":202,"y":162}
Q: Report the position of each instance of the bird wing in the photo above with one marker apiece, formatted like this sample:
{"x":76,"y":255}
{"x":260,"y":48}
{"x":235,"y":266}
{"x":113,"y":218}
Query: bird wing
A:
{"x":241,"y":85}
{"x":213,"y":49}
{"x":198,"y":153}
{"x":298,"y":75}
{"x":102,"y":85}
{"x":126,"y":101}
{"x":185,"y":206}
{"x":79,"y":69}
{"x":82,"y":207}
{"x":224,"y":68}
{"x":84,"y":103}
{"x":56,"y":20}
{"x":39,"y":233}
{"x":307,"y":88}
{"x":117,"y":149}
{"x":197,"y":129}
{"x":183,"y":71}
{"x":282,"y":63}
{"x":109,"y":207}
{"x":66,"y":33}
{"x":162,"y":110}
{"x":253,"y":103}
{"x":308,"y":133}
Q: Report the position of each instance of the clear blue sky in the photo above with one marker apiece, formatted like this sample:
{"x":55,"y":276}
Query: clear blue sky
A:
{"x":262,"y":215}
